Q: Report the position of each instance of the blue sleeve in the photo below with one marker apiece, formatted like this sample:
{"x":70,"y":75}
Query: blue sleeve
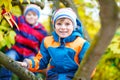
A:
{"x":84,"y":49}
{"x":46,"y":57}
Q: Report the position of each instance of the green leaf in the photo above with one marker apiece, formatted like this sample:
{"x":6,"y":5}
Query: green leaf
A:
{"x":11,"y":37}
{"x":3,"y":28}
{"x":2,"y":43}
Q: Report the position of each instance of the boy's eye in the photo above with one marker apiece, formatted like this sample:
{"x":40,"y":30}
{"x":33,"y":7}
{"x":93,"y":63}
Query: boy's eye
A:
{"x":34,"y":14}
{"x":67,"y":24}
{"x":59,"y":24}
{"x":28,"y":14}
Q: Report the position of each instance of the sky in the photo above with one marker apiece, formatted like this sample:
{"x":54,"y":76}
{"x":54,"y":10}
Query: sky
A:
{"x":45,"y":12}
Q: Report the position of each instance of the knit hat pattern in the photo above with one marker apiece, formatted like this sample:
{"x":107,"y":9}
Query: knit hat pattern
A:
{"x":64,"y":13}
{"x":34,"y":8}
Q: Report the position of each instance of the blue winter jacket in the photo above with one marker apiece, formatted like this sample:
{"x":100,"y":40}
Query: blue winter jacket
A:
{"x":62,"y":55}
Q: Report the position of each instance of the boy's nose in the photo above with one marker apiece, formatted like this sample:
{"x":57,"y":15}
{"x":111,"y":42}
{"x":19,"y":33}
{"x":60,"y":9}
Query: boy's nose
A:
{"x":63,"y":26}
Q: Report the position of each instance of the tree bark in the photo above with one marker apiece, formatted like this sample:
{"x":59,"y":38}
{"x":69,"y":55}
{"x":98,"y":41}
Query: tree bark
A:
{"x":17,"y":2}
{"x":12,"y":65}
{"x":109,"y":24}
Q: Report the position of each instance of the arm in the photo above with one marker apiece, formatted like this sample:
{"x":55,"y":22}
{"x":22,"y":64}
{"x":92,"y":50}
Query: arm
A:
{"x":84,"y":49}
{"x":40,"y":61}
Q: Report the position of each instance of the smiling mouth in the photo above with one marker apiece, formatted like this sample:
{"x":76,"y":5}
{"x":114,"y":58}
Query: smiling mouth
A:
{"x":63,"y":31}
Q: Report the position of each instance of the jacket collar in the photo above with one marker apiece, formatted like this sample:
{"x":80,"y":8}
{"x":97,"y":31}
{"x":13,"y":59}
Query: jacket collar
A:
{"x":70,"y":38}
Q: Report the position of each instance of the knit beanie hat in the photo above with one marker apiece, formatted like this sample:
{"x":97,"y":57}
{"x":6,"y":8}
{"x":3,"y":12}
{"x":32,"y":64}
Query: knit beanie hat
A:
{"x":68,"y":13}
{"x":34,"y":8}
{"x":64,"y":13}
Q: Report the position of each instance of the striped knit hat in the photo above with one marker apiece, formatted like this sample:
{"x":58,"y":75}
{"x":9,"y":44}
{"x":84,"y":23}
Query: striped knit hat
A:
{"x":64,"y":13}
{"x":34,"y":8}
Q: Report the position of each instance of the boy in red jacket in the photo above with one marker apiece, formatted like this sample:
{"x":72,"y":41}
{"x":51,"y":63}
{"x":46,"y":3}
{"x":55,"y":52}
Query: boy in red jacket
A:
{"x":29,"y":34}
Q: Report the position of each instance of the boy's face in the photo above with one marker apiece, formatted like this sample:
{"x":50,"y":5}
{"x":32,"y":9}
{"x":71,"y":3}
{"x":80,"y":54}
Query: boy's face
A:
{"x":64,"y":27}
{"x":31,"y":17}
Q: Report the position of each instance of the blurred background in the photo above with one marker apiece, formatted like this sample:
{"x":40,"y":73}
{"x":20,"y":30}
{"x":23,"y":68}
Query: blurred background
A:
{"x":108,"y":67}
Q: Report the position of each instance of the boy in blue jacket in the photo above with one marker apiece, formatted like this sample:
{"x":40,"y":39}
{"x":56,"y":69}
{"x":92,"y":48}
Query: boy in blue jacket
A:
{"x":63,"y":50}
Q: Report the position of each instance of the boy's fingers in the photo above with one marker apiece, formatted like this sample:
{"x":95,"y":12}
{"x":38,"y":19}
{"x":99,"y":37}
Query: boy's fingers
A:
{"x":19,"y":63}
{"x":23,"y":64}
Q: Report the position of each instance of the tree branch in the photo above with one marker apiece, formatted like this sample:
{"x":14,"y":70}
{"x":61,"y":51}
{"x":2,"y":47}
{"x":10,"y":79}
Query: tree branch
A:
{"x":21,"y":72}
{"x":41,"y":4}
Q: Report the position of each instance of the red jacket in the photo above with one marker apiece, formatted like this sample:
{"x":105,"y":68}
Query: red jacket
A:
{"x":28,"y":38}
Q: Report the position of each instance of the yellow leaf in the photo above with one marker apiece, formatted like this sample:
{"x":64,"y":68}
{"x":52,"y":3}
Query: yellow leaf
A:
{"x":21,"y":1}
{"x":8,"y":5}
{"x":1,"y":2}
{"x":28,"y":1}
{"x":16,"y":10}
{"x":77,"y":1}
{"x":51,"y":5}
{"x":47,"y":26}
{"x":1,"y":37}
{"x":62,"y":5}
{"x":11,"y":37}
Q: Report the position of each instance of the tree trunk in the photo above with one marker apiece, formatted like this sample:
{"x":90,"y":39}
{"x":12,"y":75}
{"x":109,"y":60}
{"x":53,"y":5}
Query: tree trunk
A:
{"x":109,"y":24}
{"x":12,"y":65}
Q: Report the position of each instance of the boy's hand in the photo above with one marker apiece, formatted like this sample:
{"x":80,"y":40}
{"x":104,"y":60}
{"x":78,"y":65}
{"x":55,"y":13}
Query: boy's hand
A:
{"x":23,"y":64}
